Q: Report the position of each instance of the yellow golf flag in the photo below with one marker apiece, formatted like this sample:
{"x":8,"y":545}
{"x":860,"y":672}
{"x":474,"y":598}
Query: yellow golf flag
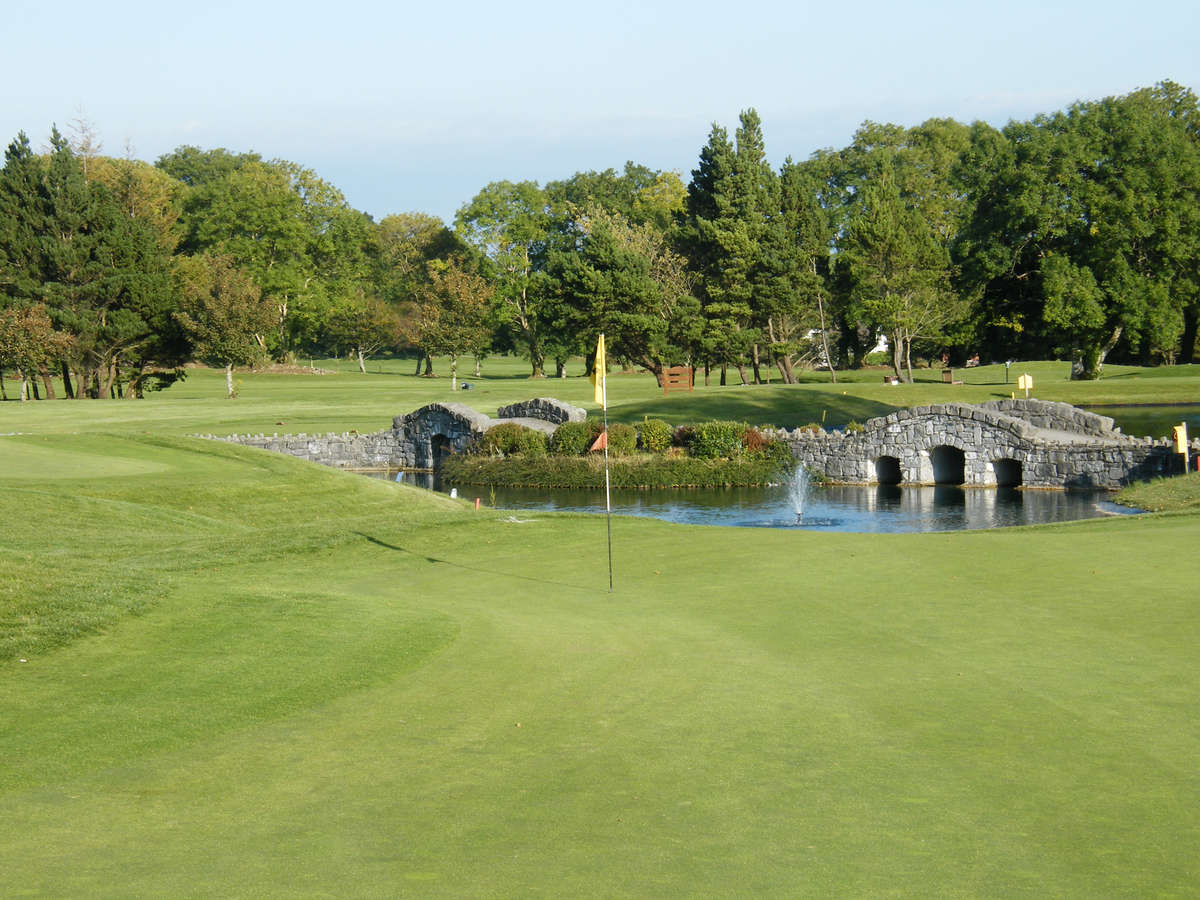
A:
{"x":598,"y":372}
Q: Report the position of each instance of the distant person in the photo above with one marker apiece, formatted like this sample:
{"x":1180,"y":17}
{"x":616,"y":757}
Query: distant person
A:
{"x":973,"y":361}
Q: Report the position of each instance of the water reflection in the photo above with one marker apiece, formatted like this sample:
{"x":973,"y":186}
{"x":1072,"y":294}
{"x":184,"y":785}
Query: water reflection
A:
{"x":862,"y":508}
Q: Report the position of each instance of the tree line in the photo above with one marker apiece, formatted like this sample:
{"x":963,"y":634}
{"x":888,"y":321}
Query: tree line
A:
{"x":1073,"y":235}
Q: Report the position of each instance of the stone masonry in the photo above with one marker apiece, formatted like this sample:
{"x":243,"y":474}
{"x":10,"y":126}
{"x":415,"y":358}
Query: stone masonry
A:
{"x":1033,"y":443}
{"x":415,"y":441}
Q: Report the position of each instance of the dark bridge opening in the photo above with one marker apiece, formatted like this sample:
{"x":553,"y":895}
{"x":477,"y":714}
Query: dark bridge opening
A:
{"x":1008,"y":472}
{"x":440,"y":447}
{"x":887,"y":470}
{"x":949,"y":465}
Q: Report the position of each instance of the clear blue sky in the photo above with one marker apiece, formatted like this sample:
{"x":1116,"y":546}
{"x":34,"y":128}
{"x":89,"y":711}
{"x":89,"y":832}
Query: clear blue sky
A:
{"x":417,"y":106}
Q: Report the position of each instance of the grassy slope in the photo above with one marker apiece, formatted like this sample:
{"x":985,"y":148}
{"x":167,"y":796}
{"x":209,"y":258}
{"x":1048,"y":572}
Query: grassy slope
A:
{"x":344,"y":687}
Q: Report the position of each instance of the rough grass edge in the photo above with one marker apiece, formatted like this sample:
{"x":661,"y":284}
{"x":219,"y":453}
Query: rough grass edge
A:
{"x":1176,"y":492}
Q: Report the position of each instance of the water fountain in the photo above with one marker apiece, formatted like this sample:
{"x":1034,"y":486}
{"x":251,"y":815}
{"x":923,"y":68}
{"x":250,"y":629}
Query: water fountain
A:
{"x":799,"y":492}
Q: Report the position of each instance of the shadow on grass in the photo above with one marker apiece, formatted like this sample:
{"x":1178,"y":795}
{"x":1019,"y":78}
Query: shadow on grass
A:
{"x":433,"y":560}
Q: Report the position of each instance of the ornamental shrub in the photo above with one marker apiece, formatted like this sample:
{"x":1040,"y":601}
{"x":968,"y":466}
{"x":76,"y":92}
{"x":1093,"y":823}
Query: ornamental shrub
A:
{"x":512,"y":439}
{"x":655,"y":436}
{"x":622,"y":439}
{"x":754,"y":441}
{"x":717,"y":440}
{"x":574,"y":438}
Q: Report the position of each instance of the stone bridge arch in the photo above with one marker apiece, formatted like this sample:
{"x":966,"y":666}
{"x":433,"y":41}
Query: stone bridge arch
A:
{"x":952,"y":443}
{"x":440,"y":429}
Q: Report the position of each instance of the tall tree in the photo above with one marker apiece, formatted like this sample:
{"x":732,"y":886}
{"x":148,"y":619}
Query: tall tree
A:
{"x":453,"y":315}
{"x":898,"y":269}
{"x":626,"y":283}
{"x":1084,"y":233}
{"x":509,"y":225}
{"x":223,"y":313}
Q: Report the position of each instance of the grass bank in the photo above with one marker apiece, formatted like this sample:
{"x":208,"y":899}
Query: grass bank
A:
{"x":1164,"y":494}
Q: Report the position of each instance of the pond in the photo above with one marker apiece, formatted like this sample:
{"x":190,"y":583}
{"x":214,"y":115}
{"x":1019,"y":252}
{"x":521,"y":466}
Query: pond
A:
{"x":861,"y":508}
{"x":1154,"y":421}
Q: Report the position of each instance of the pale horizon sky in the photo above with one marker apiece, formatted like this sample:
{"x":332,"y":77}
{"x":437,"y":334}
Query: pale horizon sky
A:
{"x":418,"y":108}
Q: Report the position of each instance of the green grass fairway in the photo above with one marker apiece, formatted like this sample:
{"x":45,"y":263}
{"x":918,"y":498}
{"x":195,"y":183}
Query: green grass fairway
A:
{"x":346,"y":400}
{"x":247,"y":676}
{"x":229,"y":673}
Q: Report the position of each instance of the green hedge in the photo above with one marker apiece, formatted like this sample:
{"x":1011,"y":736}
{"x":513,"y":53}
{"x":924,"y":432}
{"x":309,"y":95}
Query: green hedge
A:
{"x":622,"y":439}
{"x":625,"y":472}
{"x":511,"y":439}
{"x":655,"y":436}
{"x":574,"y":438}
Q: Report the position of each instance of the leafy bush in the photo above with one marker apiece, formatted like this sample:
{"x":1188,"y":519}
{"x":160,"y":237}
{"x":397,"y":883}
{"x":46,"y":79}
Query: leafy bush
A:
{"x":627,"y":472}
{"x":622,"y":439}
{"x":813,"y":427}
{"x":878,"y":358}
{"x":779,"y":454}
{"x":574,"y":438}
{"x":511,"y":439}
{"x":655,"y":436}
{"x":684,"y":435}
{"x":754,"y":441}
{"x":717,"y":440}
{"x":853,"y":427}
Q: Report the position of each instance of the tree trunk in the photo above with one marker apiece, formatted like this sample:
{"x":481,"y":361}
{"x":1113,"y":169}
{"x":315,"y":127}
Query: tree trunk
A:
{"x":428,"y":366}
{"x":33,"y":387}
{"x":897,"y":356}
{"x":478,"y":371}
{"x":1088,"y":361}
{"x":3,"y":392}
{"x":755,"y":363}
{"x":724,"y":370}
{"x":362,"y":366}
{"x":785,"y":369}
{"x":24,"y":390}
{"x":110,"y":378}
{"x":1187,"y":344}
{"x":66,"y":377}
{"x":420,"y":359}
{"x":560,"y":367}
{"x":454,"y":373}
{"x":825,"y":340}
{"x":229,"y":381}
{"x":44,"y":371}
{"x":908,"y":357}
{"x":741,"y":369}
{"x":537,"y":360}
{"x":707,"y":369}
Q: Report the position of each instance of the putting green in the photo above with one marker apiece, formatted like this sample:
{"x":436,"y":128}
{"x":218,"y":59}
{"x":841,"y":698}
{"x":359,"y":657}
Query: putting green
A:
{"x":26,"y":457}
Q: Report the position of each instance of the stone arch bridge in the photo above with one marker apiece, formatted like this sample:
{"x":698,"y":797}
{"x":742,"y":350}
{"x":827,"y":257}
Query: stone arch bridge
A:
{"x":1006,"y":443}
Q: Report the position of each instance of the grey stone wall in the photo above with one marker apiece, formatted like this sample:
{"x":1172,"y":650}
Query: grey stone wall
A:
{"x":546,"y":408}
{"x":418,"y":440}
{"x":1056,"y":416}
{"x":341,"y":451}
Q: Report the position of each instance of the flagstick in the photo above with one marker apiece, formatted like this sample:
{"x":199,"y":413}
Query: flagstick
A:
{"x":607,"y":494}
